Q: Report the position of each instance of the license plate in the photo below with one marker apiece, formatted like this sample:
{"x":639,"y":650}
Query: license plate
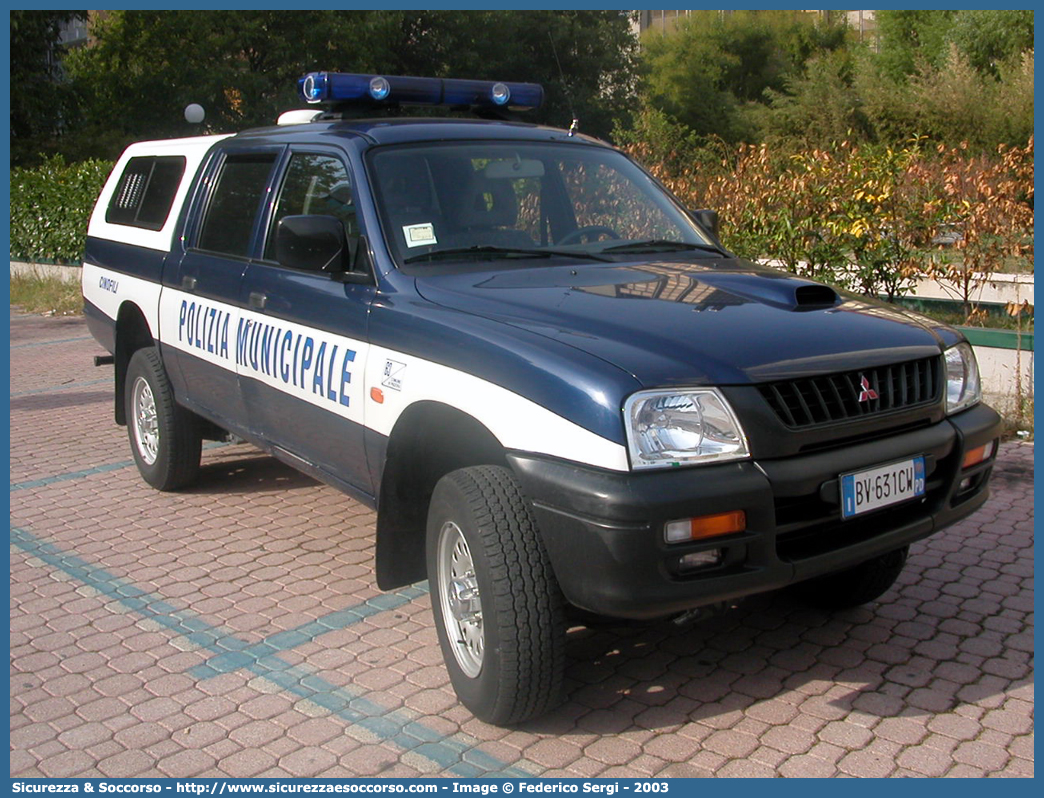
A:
{"x":881,"y":486}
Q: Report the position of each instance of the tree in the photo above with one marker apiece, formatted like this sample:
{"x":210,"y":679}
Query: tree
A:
{"x":586,"y":60}
{"x":988,"y":39}
{"x":912,"y":39}
{"x":824,"y":105}
{"x":39,"y":100}
{"x":954,"y":77}
{"x":243,"y":66}
{"x":684,"y":77}
{"x":714,"y":71}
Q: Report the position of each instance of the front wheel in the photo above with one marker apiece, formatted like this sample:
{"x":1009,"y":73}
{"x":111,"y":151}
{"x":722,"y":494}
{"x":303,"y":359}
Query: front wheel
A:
{"x":498,"y":608}
{"x":164,"y":437}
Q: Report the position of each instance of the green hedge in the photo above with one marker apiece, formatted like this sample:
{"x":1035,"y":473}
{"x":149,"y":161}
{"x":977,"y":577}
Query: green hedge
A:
{"x":50,"y":207}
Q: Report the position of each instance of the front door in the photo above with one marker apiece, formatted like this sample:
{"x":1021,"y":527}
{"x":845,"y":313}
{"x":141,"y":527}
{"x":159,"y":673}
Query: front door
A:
{"x":302,"y":347}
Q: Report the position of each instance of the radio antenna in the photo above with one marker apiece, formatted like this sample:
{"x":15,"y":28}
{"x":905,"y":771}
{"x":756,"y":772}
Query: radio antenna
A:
{"x":575,"y":126}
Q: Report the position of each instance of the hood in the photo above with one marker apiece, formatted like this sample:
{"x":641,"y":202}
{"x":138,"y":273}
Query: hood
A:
{"x":722,"y":322}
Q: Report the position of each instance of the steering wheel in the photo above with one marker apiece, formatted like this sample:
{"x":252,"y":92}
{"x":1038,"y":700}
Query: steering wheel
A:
{"x":591,"y":232}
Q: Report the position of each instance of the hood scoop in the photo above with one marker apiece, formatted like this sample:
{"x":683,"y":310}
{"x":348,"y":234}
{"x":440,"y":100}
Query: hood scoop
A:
{"x":814,"y":296}
{"x":781,"y":291}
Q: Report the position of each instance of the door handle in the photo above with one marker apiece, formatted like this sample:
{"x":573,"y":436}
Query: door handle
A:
{"x":258,"y":300}
{"x":188,"y":283}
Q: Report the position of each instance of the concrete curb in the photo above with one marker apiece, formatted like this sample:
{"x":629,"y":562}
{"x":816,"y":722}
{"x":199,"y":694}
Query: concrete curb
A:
{"x":70,"y":274}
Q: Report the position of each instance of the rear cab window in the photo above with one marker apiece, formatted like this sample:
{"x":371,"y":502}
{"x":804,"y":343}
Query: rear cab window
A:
{"x":145,"y":194}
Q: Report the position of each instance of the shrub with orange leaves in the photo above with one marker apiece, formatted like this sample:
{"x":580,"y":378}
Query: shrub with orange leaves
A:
{"x":988,"y":203}
{"x":868,"y":217}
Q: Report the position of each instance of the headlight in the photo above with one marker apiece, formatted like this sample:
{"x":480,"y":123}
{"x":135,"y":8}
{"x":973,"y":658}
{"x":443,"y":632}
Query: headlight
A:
{"x":674,"y":428}
{"x":962,"y":378}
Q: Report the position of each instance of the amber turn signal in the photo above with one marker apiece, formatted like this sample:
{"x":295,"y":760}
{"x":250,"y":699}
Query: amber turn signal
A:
{"x":977,"y":455}
{"x":705,"y":526}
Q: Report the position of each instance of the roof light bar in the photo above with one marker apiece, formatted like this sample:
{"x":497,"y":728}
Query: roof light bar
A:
{"x":342,"y":87}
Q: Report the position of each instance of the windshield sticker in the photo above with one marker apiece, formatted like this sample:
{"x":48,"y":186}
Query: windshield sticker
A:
{"x":419,"y":235}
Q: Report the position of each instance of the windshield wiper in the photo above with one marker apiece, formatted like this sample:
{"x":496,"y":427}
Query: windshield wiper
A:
{"x":502,"y":252}
{"x":660,"y":245}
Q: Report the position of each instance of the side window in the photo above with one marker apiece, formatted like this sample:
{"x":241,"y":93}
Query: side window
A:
{"x":314,"y":185}
{"x":236,"y":197}
{"x":146,"y":191}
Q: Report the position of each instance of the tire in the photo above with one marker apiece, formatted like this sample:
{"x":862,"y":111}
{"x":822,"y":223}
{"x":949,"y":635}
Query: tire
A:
{"x":854,"y":586}
{"x":164,"y":437}
{"x":498,"y":609}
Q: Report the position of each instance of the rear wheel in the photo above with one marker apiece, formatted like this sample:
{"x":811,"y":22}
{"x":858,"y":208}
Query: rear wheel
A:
{"x":164,"y":437}
{"x":854,"y":586}
{"x":498,"y":609}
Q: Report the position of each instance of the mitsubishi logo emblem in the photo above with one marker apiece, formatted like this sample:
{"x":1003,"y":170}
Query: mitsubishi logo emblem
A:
{"x":867,"y":393}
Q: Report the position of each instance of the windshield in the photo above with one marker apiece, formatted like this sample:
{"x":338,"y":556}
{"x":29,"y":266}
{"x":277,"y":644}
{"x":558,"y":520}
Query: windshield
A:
{"x":522,"y":202}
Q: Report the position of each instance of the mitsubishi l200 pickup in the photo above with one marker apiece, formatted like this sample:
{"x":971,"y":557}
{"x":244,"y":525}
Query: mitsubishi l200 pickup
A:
{"x":556,"y":386}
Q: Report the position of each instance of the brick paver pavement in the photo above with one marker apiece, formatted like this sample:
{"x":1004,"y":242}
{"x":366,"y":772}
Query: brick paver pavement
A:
{"x":234,"y":629}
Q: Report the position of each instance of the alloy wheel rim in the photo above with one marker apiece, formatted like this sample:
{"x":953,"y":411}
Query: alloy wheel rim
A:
{"x":460,"y":599}
{"x":146,"y":421}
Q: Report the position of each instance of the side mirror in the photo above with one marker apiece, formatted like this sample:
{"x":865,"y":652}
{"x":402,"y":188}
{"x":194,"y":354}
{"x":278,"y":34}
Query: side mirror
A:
{"x":312,"y":243}
{"x":708,"y":220}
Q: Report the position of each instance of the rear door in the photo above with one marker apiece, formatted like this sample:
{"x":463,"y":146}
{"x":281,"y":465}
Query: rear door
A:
{"x":302,"y":346}
{"x":199,"y":308}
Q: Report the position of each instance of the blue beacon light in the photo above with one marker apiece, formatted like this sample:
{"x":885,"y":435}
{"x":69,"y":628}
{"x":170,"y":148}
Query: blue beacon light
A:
{"x":313,"y":86}
{"x":500,"y":94}
{"x":341,"y":87}
{"x":380,"y":88}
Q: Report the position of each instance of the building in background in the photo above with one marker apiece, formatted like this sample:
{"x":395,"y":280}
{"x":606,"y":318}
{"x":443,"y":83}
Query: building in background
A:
{"x":74,"y":32}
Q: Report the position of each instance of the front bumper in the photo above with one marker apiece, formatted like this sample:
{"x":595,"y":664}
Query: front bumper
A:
{"x":604,"y":530}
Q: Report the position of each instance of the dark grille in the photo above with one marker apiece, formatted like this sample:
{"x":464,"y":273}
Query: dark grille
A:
{"x":836,"y":397}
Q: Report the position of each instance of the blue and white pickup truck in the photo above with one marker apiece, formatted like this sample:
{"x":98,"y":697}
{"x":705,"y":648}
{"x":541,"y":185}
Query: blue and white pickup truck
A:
{"x":564,"y":397}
